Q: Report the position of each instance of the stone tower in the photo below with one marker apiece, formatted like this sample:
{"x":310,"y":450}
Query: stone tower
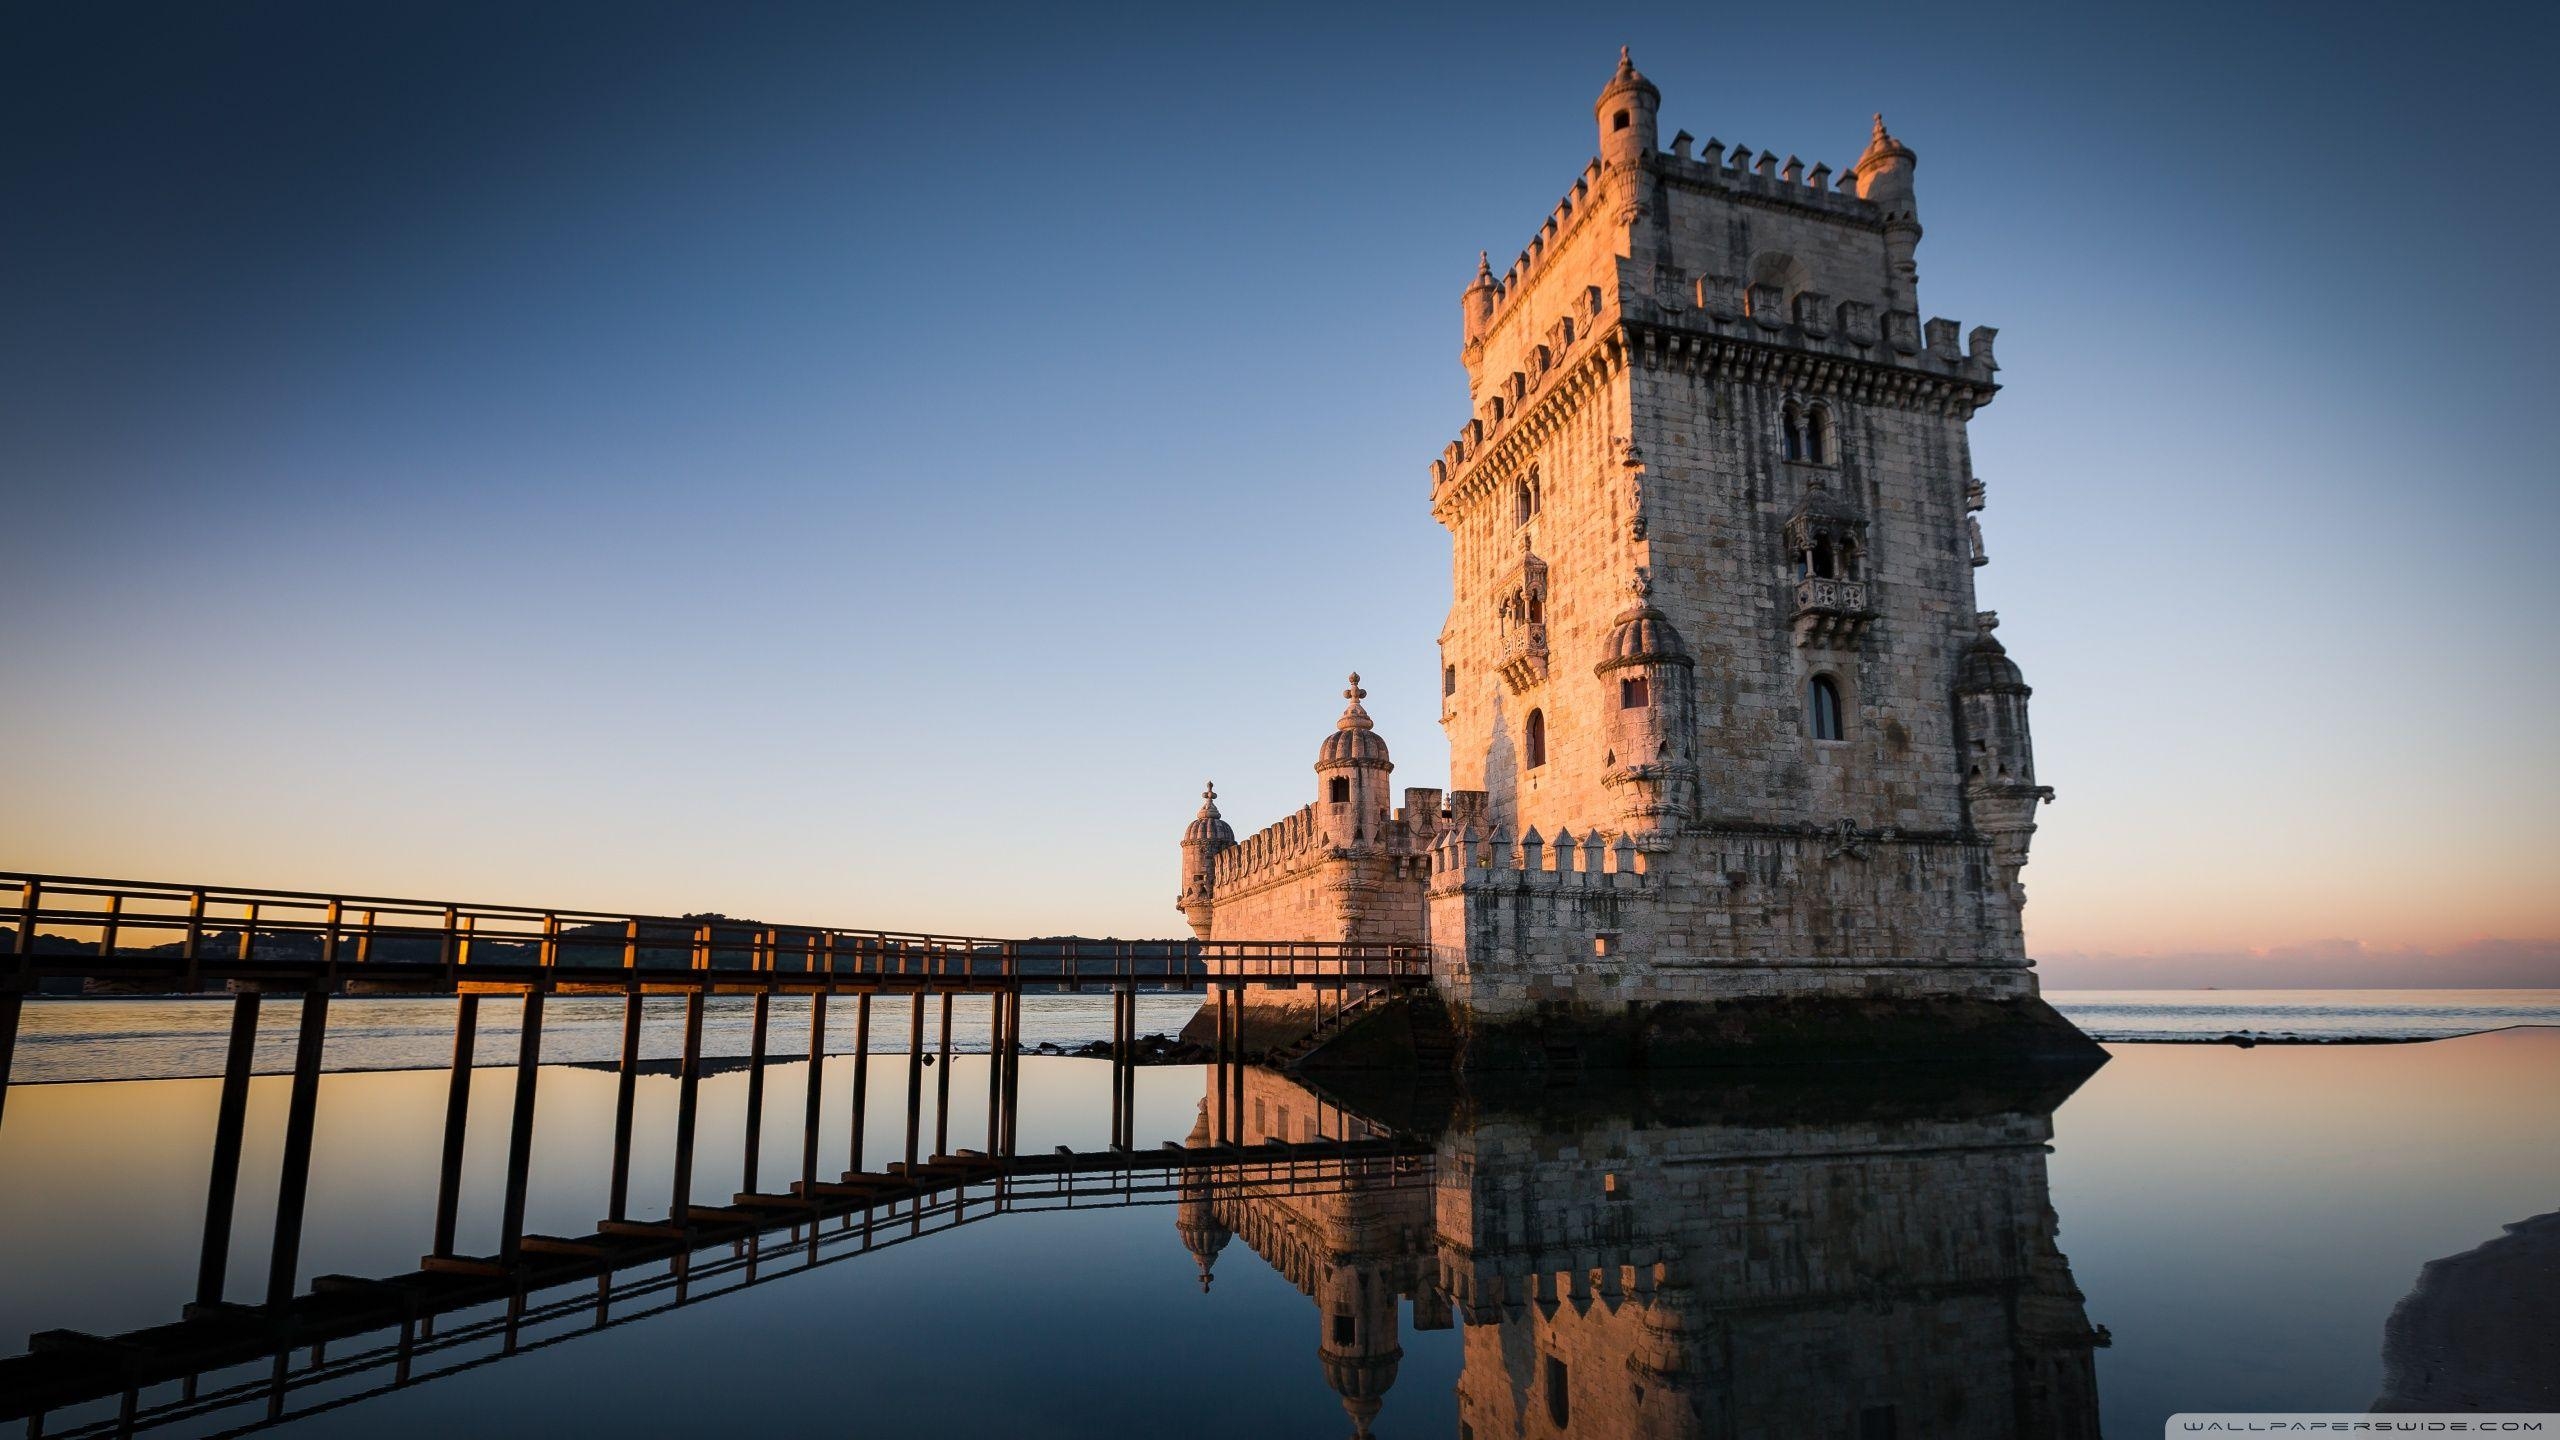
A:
{"x":1734,"y":758}
{"x":1712,"y":662}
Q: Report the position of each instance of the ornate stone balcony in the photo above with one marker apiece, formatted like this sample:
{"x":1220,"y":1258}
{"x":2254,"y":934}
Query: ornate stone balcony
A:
{"x":1524,"y":657}
{"x":1831,"y":612}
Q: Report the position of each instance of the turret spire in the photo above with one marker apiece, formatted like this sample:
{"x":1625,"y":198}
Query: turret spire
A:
{"x":1353,"y":717}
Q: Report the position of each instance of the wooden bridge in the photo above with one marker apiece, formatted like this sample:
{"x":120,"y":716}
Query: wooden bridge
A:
{"x":151,"y":937}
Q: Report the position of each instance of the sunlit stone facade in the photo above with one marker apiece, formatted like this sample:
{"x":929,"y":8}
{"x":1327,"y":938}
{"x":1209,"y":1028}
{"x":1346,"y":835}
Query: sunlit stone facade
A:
{"x":1728,"y":734}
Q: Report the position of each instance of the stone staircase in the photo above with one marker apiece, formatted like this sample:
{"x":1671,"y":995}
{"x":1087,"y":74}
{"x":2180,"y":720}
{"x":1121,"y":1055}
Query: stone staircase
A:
{"x":1433,"y":1041}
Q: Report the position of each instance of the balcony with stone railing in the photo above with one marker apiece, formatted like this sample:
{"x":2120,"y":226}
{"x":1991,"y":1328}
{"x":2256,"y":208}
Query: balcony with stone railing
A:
{"x":1831,"y":612}
{"x":1524,"y":657}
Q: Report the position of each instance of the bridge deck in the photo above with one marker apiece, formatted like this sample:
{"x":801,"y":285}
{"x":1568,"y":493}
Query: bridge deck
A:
{"x":151,"y":934}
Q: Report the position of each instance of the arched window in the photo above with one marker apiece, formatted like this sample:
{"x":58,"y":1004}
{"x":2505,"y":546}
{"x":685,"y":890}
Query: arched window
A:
{"x":1338,"y":790}
{"x":1817,"y":435}
{"x":1524,"y":499}
{"x":1822,"y":565}
{"x":1533,"y":742}
{"x":1791,"y":442}
{"x":1822,"y":708}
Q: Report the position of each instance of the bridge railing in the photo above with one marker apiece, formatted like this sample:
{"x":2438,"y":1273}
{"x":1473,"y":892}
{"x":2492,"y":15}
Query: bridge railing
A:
{"x":193,"y":935}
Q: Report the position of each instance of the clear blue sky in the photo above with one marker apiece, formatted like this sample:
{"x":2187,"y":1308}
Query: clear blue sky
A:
{"x":871,"y":468}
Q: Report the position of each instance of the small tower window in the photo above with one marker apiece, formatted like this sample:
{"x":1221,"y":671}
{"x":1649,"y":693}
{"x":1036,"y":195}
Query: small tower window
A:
{"x":1822,"y":707}
{"x":1618,"y":121}
{"x":1634,"y":693}
{"x":1791,"y":439}
{"x":1448,"y":679}
{"x":1559,"y":1401}
{"x":1817,"y":435}
{"x":1524,"y":499}
{"x":1533,"y":743}
{"x":1338,"y":789}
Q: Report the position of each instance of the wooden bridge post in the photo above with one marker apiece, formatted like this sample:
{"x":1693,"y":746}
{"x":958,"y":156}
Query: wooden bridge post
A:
{"x":942,"y":1085}
{"x":12,"y":1006}
{"x":915,"y":1073}
{"x":861,"y":1072}
{"x":293,"y":1183}
{"x":755,"y":1088}
{"x":1013,"y":1067}
{"x":688,"y":1092}
{"x":222,"y":1184}
{"x":626,"y":1084}
{"x":457,"y":1114}
{"x":520,"y":1128}
{"x":996,"y":1046}
{"x":816,"y":1089}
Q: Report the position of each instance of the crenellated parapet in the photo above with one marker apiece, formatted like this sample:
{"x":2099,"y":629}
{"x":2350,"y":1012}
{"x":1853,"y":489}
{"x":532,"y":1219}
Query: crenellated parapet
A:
{"x":1279,"y":846}
{"x":1465,"y":859}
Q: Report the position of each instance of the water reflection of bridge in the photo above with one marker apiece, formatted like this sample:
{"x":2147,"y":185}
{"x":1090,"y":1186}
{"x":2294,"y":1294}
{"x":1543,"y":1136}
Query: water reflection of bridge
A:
{"x":455,"y":1314}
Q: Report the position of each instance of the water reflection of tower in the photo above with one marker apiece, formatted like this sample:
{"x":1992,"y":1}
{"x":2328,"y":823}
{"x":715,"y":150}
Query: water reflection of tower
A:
{"x":1353,"y":1249}
{"x":1194,"y":1216}
{"x":1876,"y":1261}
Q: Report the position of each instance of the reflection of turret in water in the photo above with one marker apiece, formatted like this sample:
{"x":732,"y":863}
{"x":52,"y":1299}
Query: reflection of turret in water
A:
{"x":1203,"y":1233}
{"x":1876,"y":1258}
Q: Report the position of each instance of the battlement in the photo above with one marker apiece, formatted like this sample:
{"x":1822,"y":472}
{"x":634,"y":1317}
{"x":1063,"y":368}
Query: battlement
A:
{"x":1466,"y":859}
{"x":1765,"y":177}
{"x":1275,"y":846}
{"x":1575,"y":205}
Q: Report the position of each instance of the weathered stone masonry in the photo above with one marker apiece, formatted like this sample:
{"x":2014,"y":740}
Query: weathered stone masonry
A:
{"x":1727,"y":732}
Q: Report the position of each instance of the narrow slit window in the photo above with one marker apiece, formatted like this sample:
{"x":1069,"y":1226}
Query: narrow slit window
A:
{"x":1533,"y":744}
{"x":1559,"y":1399}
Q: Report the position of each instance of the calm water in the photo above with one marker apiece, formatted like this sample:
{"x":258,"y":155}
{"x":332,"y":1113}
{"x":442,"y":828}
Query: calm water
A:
{"x":69,"y":1039}
{"x":1704,"y":1259}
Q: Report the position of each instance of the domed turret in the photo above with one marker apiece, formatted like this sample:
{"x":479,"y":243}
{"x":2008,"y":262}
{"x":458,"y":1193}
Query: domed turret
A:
{"x":1626,"y":111}
{"x":1202,"y":841}
{"x":1476,"y":307}
{"x":1987,"y":668}
{"x":1352,"y":769}
{"x":2000,"y":789}
{"x":1883,"y":173}
{"x":1647,"y":688}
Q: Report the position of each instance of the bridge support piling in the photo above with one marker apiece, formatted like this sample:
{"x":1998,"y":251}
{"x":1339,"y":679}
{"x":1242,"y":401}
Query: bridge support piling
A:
{"x":293,"y":1183}
{"x":457,"y":1116}
{"x":625,"y":1093}
{"x":688,"y":1094}
{"x":861,"y":1074}
{"x":12,"y":1006}
{"x":755,"y":1089}
{"x":915,"y":1074}
{"x":816,"y":1089}
{"x":1012,"y":1070}
{"x":998,"y":1045}
{"x":520,"y":1129}
{"x":222,"y":1186}
{"x":942,"y":1084}
{"x":1235,"y":1067}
